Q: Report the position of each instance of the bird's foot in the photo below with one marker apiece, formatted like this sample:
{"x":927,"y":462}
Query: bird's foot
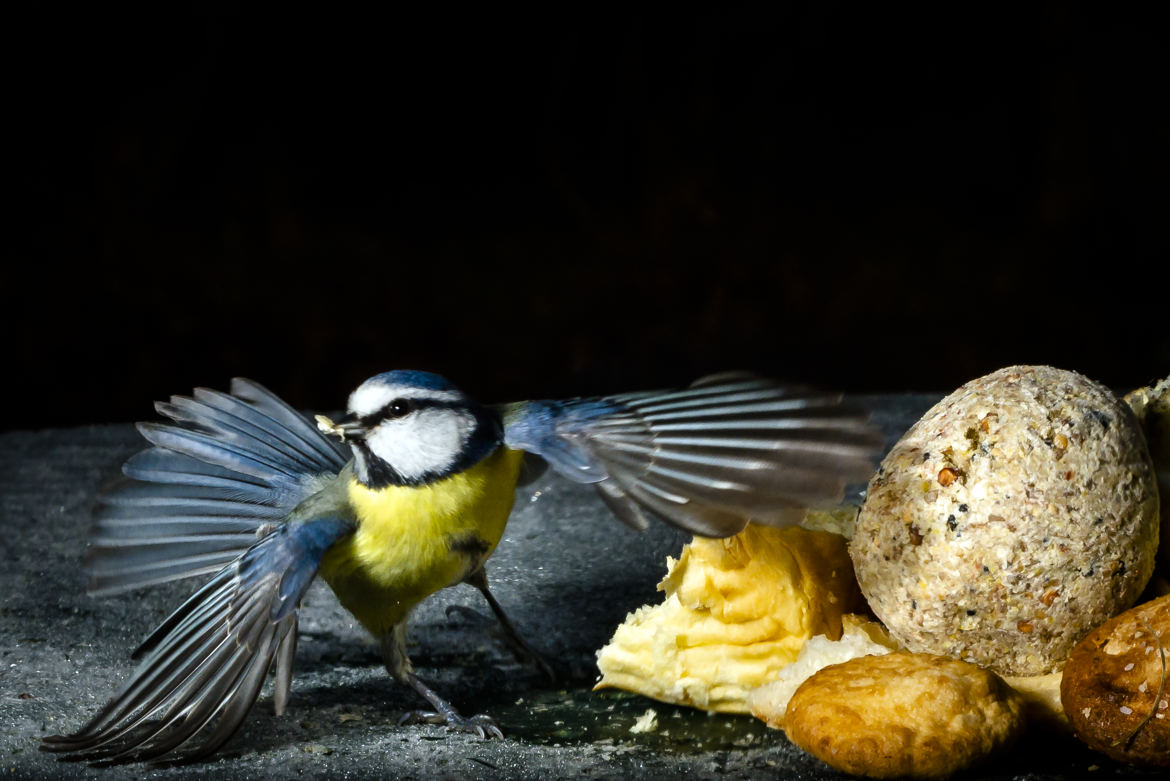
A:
{"x":445,"y":713}
{"x":482,"y":726}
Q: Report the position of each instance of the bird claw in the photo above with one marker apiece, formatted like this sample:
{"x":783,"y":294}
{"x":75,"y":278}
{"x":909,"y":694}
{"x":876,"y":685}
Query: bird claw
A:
{"x":481,"y":726}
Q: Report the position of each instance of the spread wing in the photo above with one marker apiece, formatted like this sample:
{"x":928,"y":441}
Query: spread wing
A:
{"x":224,"y":469}
{"x":709,"y":458}
{"x":203,"y":668}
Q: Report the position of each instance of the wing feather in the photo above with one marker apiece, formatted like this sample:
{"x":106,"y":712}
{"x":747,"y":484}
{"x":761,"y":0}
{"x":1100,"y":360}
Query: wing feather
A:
{"x":221,"y":473}
{"x":708,"y":458}
{"x":202,"y":668}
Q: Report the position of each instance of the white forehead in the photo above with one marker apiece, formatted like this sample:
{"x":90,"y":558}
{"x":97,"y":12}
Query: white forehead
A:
{"x":373,"y":395}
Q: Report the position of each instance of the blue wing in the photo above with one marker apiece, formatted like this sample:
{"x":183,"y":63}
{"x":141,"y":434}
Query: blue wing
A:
{"x":709,"y":458}
{"x":203,"y":668}
{"x":226,"y":469}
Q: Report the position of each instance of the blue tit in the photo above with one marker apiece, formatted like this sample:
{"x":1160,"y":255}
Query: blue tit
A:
{"x":407,"y":494}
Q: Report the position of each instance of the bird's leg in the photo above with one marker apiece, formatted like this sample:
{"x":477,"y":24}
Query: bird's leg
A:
{"x":518,"y":644}
{"x":394,"y":656}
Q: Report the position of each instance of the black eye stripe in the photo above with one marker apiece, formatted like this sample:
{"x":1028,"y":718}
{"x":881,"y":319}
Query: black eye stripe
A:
{"x":388,"y":412}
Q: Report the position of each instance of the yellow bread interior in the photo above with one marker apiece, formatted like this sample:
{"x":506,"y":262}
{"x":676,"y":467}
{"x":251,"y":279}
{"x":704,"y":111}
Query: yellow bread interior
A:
{"x":1041,"y":697}
{"x":736,"y":611}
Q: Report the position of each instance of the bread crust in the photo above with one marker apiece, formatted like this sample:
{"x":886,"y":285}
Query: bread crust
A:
{"x":1113,"y":682}
{"x":903,"y":715}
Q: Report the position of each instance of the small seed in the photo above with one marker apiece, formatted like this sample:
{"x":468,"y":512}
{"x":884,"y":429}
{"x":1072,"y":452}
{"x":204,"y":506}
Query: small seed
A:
{"x":1024,"y":626}
{"x":946,"y":476}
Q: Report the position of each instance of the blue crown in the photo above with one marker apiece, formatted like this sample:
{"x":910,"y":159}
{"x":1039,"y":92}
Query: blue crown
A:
{"x":415,"y":379}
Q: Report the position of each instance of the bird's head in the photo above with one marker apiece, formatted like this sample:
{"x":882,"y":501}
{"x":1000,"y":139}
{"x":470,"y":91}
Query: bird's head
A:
{"x":413,"y":428}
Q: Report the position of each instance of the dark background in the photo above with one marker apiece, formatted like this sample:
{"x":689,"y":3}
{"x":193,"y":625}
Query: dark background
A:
{"x":580,"y":201}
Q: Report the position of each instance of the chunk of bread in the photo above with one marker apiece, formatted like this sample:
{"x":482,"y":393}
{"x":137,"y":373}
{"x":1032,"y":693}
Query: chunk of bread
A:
{"x":903,"y":715}
{"x":1115,"y":691}
{"x":860,"y":637}
{"x":736,"y":611}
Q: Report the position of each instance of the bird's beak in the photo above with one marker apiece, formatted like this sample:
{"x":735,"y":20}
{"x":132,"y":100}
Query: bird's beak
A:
{"x":348,"y":426}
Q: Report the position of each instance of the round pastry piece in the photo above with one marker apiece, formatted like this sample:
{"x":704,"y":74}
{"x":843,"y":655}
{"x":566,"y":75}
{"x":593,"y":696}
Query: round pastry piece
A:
{"x":1115,"y":691}
{"x":860,"y":637}
{"x":903,"y":715}
{"x":1020,"y":512}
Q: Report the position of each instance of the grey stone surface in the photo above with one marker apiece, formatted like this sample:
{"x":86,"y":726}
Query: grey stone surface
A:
{"x":566,"y":572}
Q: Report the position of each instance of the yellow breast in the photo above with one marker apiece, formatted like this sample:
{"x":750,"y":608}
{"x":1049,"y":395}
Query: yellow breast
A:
{"x":414,"y":540}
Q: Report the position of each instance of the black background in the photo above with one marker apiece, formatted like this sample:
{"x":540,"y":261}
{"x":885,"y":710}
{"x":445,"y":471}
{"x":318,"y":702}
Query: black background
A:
{"x":587,"y":200}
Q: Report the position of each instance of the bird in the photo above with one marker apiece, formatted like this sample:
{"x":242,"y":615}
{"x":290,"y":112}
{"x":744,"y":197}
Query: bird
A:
{"x":405,"y":494}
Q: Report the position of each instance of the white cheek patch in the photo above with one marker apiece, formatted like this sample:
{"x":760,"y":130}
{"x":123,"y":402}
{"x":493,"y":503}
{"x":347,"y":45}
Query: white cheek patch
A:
{"x":426,"y":442}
